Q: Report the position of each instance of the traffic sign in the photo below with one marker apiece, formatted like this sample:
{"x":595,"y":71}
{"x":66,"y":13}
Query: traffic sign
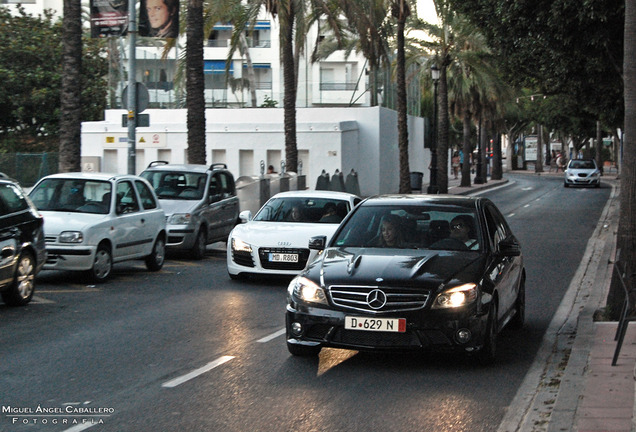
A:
{"x":143,"y":98}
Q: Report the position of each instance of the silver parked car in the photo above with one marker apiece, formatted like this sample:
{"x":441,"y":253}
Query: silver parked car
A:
{"x":582,"y":172}
{"x":200,"y":203}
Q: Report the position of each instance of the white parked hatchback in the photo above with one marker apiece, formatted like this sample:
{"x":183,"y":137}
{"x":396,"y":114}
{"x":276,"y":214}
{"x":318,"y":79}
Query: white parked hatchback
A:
{"x":276,"y":240}
{"x":93,"y":220}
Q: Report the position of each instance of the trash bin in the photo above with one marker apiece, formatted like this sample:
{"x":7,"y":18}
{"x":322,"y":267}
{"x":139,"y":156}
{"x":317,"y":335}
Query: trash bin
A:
{"x":416,"y":180}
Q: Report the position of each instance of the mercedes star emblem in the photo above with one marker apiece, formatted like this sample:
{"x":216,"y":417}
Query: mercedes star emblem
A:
{"x":376,"y":299}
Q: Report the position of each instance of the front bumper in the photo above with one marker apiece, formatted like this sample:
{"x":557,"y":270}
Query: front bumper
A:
{"x":583,"y":181}
{"x":255,"y":262}
{"x":69,"y":257}
{"x":180,"y":237}
{"x":425,"y":330}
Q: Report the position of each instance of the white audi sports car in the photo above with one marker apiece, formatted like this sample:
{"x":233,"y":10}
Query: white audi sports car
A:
{"x":275,"y":241}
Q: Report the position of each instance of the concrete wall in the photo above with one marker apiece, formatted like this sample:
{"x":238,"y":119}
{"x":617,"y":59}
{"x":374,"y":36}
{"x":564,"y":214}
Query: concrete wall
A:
{"x":363,"y":139}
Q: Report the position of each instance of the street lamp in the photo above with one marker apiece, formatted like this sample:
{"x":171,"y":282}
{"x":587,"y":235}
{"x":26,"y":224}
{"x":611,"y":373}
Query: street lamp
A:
{"x":432,"y":185}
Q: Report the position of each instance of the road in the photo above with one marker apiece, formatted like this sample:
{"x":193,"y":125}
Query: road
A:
{"x":187,"y":349}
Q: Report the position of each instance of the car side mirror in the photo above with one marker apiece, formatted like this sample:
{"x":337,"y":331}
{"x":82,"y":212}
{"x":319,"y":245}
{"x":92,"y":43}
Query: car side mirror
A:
{"x":509,"y":247}
{"x":318,"y":242}
{"x":245,"y":216}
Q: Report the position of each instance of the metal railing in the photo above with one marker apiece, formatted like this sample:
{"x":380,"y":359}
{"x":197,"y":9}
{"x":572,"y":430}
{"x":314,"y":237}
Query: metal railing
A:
{"x":335,"y":86}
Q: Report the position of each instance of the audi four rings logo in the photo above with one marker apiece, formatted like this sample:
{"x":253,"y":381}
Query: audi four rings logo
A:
{"x":376,"y":299}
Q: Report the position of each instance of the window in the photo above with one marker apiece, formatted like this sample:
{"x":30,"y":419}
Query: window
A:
{"x":147,"y":200}
{"x":126,"y":198}
{"x":13,"y":200}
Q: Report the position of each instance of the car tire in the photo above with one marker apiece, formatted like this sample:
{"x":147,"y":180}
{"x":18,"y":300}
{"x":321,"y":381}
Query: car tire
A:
{"x":488,"y":352}
{"x":21,"y":290}
{"x":102,"y":265}
{"x":303,"y":350}
{"x":565,"y":185}
{"x":154,"y":261}
{"x":519,"y":318}
{"x":198,"y":250}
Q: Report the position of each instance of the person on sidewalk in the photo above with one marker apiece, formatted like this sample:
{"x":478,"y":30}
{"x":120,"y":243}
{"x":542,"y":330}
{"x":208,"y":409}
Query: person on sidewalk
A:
{"x":455,"y":163}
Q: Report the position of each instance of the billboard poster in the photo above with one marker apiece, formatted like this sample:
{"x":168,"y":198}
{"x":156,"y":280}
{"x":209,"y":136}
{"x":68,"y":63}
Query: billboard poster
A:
{"x":531,"y":149}
{"x":159,"y":18}
{"x":109,"y":18}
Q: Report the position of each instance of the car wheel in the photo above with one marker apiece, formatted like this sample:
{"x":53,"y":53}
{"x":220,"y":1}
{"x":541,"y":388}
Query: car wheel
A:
{"x":565,"y":185}
{"x":102,"y":265}
{"x":598,"y":185}
{"x":21,"y":291}
{"x":198,"y":250}
{"x":519,"y":318}
{"x":303,"y":350}
{"x":488,"y":351}
{"x":155,"y":260}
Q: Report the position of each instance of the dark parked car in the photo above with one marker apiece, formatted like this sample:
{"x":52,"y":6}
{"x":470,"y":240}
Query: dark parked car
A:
{"x":22,"y":246}
{"x":411,"y":272}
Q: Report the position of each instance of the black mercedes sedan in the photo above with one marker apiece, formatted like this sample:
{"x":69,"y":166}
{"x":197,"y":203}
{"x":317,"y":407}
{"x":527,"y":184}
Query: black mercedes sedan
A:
{"x":411,"y":272}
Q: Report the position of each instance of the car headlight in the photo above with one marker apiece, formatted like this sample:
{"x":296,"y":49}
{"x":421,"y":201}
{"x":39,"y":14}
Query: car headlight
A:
{"x":306,"y":290}
{"x":71,"y":237}
{"x":180,"y":219}
{"x":240,"y":246}
{"x":456,"y":297}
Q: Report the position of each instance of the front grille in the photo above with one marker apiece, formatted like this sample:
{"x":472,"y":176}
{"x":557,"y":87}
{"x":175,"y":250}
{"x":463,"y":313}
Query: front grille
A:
{"x":243,"y":258}
{"x":376,"y":339}
{"x":50,"y":239}
{"x":582,"y":175}
{"x":397,"y":299}
{"x":303,"y":256}
{"x":175,"y":239}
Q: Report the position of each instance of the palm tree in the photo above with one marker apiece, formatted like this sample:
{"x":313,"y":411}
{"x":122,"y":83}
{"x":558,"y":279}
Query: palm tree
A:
{"x":292,"y":19}
{"x":195,"y":83}
{"x":71,"y":106}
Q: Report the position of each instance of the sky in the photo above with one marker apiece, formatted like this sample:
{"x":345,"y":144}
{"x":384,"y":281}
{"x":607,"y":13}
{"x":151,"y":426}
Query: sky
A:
{"x":426,"y":10}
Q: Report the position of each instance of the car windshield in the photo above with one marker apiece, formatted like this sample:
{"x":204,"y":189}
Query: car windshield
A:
{"x":303,"y":210}
{"x":74,"y":195}
{"x":177,"y":185}
{"x":409,"y":226}
{"x":582,"y":164}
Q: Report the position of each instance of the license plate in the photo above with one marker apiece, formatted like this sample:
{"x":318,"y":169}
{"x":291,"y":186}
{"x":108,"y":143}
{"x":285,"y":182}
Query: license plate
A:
{"x":282,"y":257}
{"x":397,"y":325}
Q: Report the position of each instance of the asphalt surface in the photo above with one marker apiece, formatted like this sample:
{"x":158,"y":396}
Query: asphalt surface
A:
{"x":188,"y":349}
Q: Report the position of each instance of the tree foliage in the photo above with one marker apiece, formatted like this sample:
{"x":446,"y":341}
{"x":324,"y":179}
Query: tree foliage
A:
{"x":566,"y":47}
{"x":31,"y":74}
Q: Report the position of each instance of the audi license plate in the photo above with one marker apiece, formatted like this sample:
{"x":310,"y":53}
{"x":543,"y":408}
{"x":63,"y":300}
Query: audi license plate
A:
{"x":283,"y":257}
{"x":397,"y":325}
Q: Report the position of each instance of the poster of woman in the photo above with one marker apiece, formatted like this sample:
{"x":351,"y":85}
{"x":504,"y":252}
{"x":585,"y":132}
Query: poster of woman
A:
{"x":159,"y":18}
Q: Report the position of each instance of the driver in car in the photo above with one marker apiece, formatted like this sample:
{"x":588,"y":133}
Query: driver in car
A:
{"x":462,"y":228}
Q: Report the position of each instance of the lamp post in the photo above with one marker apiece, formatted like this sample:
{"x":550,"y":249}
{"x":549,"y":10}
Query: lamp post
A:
{"x":432,"y":185}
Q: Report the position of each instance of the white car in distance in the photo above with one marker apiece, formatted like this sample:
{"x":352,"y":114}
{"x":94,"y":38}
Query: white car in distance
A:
{"x":275,"y":241}
{"x":93,"y":220}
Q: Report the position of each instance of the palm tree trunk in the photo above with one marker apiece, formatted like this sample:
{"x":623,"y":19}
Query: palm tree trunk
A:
{"x":626,"y":234}
{"x":70,"y":99}
{"x":195,"y":102}
{"x":538,"y":166}
{"x":466,"y":149}
{"x":442,"y":133}
{"x":403,"y":133}
{"x":251,"y":76}
{"x":496,"y":171}
{"x":289,"y":101}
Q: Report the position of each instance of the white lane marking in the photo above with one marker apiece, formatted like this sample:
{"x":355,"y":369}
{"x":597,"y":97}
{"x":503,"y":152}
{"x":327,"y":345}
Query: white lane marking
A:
{"x":272,"y":336}
{"x":195,"y":373}
{"x":510,"y":215}
{"x":80,"y":427}
{"x":510,"y":183}
{"x":526,"y":206}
